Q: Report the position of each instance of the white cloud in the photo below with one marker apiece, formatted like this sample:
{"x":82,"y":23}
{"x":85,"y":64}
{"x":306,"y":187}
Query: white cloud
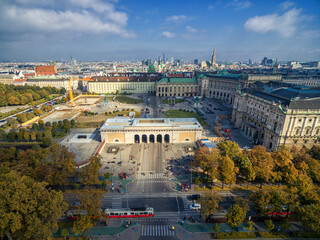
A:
{"x":176,"y":18}
{"x":168,"y":34}
{"x":239,"y":5}
{"x":284,"y":24}
{"x":86,"y":21}
{"x":191,"y":29}
{"x":286,"y":5}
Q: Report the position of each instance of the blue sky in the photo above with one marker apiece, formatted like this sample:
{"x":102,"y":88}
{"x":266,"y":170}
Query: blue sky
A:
{"x":136,"y":30}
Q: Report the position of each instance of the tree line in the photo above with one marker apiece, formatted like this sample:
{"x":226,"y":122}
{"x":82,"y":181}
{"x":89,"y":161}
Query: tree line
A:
{"x":296,"y":168}
{"x":228,"y":163}
{"x":31,"y":189}
{"x":39,"y":132}
{"x":11,"y":95}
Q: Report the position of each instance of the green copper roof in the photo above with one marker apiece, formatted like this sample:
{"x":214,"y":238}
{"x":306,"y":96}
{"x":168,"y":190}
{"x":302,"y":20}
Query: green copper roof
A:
{"x":179,"y":80}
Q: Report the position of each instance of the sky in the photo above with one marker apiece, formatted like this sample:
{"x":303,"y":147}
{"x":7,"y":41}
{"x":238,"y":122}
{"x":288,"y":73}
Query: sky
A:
{"x":118,"y":30}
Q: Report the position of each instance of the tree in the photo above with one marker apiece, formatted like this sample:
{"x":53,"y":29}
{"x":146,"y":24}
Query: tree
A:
{"x":262,"y":162}
{"x":66,"y":125}
{"x":46,"y":142}
{"x":41,"y":124}
{"x":230,"y":149}
{"x":28,"y":209}
{"x":33,"y":135}
{"x":209,"y":203}
{"x":268,"y":224}
{"x":64,"y":233}
{"x":90,"y":173}
{"x":308,"y":215}
{"x":250,"y":225}
{"x":82,"y":224}
{"x":246,"y":169}
{"x":315,"y":152}
{"x":60,"y":164}
{"x":235,"y":215}
{"x":285,"y":169}
{"x":215,"y":228}
{"x":285,"y":225}
{"x":261,"y":200}
{"x":34,"y":126}
{"x":13,"y":101}
{"x":26,"y":136}
{"x":12,"y":135}
{"x":90,"y":199}
{"x":227,"y":171}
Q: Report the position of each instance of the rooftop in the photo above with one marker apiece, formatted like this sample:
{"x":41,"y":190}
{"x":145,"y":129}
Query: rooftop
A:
{"x":178,"y":80}
{"x":120,"y":123}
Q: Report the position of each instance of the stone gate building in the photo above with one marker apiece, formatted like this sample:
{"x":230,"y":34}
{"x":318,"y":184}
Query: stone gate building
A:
{"x":151,"y":130}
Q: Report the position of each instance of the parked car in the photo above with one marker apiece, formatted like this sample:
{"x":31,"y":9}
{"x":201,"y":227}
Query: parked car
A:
{"x":194,"y":197}
{"x":195,"y":206}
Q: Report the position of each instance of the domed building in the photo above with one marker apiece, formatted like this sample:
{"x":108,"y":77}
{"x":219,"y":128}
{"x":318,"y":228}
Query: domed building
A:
{"x":152,"y":69}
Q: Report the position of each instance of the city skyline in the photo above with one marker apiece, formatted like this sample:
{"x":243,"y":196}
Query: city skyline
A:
{"x":125,"y":30}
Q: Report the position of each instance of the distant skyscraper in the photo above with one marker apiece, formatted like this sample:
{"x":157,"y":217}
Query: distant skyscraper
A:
{"x":196,"y":61}
{"x":164,"y":58}
{"x":250,"y":62}
{"x":213,"y":60}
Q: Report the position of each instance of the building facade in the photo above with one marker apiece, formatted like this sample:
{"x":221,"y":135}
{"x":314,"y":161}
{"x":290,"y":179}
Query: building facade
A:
{"x":122,"y":84}
{"x":275,"y":118}
{"x":152,"y":130}
{"x":178,"y":87}
{"x":52,"y":82}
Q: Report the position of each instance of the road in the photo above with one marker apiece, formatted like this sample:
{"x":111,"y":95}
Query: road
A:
{"x":152,"y":188}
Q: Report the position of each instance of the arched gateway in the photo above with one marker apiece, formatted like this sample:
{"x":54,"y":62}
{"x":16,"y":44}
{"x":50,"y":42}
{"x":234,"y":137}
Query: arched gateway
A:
{"x":153,"y":130}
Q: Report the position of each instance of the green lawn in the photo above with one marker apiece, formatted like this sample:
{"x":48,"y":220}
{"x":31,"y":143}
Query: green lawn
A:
{"x":236,"y":235}
{"x":274,"y":235}
{"x":129,"y":100}
{"x":168,"y":101}
{"x":183,"y":114}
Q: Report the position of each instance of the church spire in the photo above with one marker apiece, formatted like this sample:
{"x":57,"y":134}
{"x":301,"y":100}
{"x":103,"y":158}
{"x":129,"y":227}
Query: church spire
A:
{"x":213,"y":60}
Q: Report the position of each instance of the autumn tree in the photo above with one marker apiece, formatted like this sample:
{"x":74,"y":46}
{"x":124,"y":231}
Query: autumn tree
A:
{"x":268,"y":224}
{"x":261,"y":200}
{"x":284,"y":167}
{"x":209,"y":203}
{"x":82,"y":224}
{"x":27,"y":208}
{"x":246,"y":169}
{"x":235,"y":215}
{"x":230,"y":149}
{"x":308,"y":215}
{"x":90,"y":173}
{"x":262,"y":162}
{"x":227,"y":171}
{"x":60,"y":164}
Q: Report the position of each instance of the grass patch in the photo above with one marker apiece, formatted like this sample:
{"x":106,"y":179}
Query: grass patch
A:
{"x":306,"y":235}
{"x":236,"y":235}
{"x":129,"y":100}
{"x":274,"y":235}
{"x":184,"y":114}
{"x":168,"y":101}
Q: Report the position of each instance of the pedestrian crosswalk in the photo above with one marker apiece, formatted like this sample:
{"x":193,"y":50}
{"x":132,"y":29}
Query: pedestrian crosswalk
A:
{"x":157,"y":230}
{"x":116,"y":203}
{"x":186,"y":205}
{"x":150,"y":175}
{"x":155,"y":181}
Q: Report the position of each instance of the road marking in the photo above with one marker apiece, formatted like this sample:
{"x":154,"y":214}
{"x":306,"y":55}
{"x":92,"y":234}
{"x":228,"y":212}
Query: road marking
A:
{"x":156,"y":230}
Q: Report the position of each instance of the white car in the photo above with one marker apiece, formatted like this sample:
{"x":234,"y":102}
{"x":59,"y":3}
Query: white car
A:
{"x":195,"y":206}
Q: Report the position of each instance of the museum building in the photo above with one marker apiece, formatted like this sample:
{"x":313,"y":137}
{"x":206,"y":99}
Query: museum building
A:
{"x":152,"y":130}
